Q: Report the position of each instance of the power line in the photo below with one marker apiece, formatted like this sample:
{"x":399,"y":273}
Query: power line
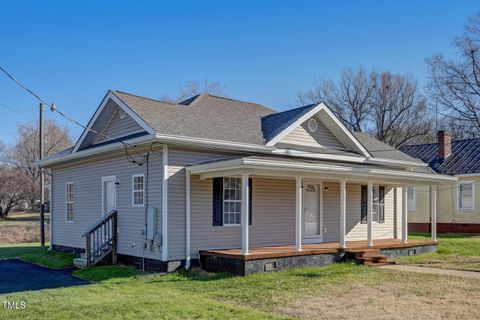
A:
{"x":3,"y":105}
{"x":54,"y":108}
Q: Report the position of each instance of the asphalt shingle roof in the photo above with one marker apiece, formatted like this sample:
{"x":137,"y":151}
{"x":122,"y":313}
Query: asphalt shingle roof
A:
{"x":204,"y":116}
{"x":379,"y":149}
{"x":275,"y":123}
{"x":218,"y":118}
{"x":465,"y":157}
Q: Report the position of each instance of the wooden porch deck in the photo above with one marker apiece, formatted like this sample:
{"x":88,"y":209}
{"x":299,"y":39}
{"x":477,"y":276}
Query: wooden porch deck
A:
{"x":316,"y":248}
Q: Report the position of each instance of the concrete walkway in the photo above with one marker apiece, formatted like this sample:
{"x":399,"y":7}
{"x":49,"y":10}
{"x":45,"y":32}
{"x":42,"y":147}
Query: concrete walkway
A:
{"x":445,"y":272}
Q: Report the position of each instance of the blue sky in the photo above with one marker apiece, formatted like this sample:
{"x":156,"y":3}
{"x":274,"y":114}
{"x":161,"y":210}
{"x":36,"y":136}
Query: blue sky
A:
{"x":72,"y":52}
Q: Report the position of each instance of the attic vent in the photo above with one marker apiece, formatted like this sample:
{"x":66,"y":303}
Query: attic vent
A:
{"x":312,"y":125}
{"x":122,"y":114}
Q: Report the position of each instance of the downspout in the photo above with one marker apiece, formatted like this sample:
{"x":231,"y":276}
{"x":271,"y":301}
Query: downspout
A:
{"x":165,"y":203}
{"x":187,"y":219}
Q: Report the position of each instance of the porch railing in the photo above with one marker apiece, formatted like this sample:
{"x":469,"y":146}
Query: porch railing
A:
{"x":101,"y":239}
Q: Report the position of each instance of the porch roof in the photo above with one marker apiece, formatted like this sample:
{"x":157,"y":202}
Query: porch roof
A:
{"x":289,"y":167}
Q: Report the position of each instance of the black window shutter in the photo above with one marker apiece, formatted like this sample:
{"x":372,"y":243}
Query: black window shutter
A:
{"x":217,"y":201}
{"x":381,"y":204}
{"x":250,"y":198}
{"x":364,"y":200}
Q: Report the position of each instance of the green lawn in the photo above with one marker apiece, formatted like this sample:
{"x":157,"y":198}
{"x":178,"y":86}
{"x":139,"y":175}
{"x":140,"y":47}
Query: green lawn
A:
{"x":335,"y":292}
{"x":33,"y":252}
{"x":455,"y":251}
{"x":338,"y":291}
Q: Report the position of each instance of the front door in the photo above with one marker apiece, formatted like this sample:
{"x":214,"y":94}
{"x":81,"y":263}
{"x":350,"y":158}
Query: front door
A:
{"x":108,"y":194}
{"x":312,"y":212}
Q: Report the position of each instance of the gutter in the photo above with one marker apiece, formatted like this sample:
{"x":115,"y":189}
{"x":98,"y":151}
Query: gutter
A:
{"x":200,"y":143}
{"x":242,"y":163}
{"x":93,"y":151}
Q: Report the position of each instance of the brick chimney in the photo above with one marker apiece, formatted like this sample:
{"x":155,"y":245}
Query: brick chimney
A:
{"x":444,"y":144}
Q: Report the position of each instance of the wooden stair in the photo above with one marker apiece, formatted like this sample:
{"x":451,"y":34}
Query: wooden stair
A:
{"x":100,"y":242}
{"x":372,"y":257}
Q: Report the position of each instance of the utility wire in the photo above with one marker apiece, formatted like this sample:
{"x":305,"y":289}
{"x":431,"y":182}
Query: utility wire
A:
{"x":54,"y":108}
{"x":3,"y":105}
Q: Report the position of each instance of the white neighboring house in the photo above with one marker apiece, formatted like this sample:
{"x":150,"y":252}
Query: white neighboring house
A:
{"x":458,"y":204}
{"x":242,"y":186}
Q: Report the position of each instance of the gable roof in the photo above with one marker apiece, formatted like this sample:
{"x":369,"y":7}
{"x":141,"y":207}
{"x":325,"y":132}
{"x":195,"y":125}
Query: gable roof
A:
{"x":203,"y":116}
{"x":465,"y":157}
{"x":274,"y":124}
{"x":212,"y":121}
{"x":326,"y":116}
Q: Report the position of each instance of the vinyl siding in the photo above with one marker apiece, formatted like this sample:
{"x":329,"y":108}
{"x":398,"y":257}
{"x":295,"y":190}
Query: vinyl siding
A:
{"x":273,"y":216}
{"x":354,"y":229}
{"x":322,"y":137}
{"x":88,"y":203}
{"x":118,"y":127}
{"x":447,"y":205}
{"x":177,"y":160}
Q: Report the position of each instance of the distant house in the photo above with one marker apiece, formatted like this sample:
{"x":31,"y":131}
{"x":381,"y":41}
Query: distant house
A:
{"x":458,"y":205}
{"x":234,"y":185}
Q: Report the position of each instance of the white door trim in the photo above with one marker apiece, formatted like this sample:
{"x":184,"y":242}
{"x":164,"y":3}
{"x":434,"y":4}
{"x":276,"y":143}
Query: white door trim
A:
{"x":317,"y":238}
{"x":105,"y":179}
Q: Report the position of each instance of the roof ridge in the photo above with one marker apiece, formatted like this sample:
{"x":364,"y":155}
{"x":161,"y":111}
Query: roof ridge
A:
{"x":235,"y":100}
{"x":289,"y":110}
{"x":460,"y":140}
{"x":436,"y":143}
{"x":419,"y":144}
{"x":146,"y":98}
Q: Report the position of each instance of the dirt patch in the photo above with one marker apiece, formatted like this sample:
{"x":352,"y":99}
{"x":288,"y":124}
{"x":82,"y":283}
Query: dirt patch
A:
{"x":400,"y":298}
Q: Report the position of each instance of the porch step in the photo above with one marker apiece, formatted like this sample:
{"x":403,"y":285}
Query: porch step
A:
{"x":373,"y":257}
{"x":80,"y":262}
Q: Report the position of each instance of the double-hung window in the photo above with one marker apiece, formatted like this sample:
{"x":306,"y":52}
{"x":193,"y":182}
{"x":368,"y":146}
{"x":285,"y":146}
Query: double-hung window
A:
{"x":378,"y":204}
{"x":466,"y":196}
{"x":138,"y":190}
{"x":69,"y":200}
{"x":232,"y":200}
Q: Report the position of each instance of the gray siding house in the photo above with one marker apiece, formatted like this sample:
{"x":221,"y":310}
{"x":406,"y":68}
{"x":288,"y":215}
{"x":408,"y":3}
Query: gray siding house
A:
{"x":231,"y":185}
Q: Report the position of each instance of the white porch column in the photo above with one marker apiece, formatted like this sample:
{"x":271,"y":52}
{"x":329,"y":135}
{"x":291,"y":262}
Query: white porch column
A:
{"x":343,"y":212}
{"x":404,"y":214}
{"x":298,"y":214}
{"x":369,"y":213}
{"x":244,"y":217}
{"x":433,"y":211}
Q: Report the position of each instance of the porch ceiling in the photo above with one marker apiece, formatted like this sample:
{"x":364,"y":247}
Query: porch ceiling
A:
{"x":287,"y":167}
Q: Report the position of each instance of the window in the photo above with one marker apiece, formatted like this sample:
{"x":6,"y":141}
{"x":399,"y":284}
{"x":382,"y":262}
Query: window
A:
{"x":232,"y":200}
{"x":312,"y":125}
{"x":411,"y":198}
{"x":378,"y":208}
{"x":138,"y":190}
{"x":466,"y":196}
{"x":69,"y":201}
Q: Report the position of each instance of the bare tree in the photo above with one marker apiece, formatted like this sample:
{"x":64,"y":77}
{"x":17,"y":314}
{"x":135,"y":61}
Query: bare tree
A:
{"x":12,"y":189}
{"x":192,"y":88}
{"x":399,"y":110}
{"x":455,"y":84}
{"x":23,"y":154}
{"x":388,"y":106}
{"x":350,"y":98}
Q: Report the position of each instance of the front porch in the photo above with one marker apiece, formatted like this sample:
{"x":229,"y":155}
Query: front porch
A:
{"x":277,"y":258}
{"x":315,"y":248}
